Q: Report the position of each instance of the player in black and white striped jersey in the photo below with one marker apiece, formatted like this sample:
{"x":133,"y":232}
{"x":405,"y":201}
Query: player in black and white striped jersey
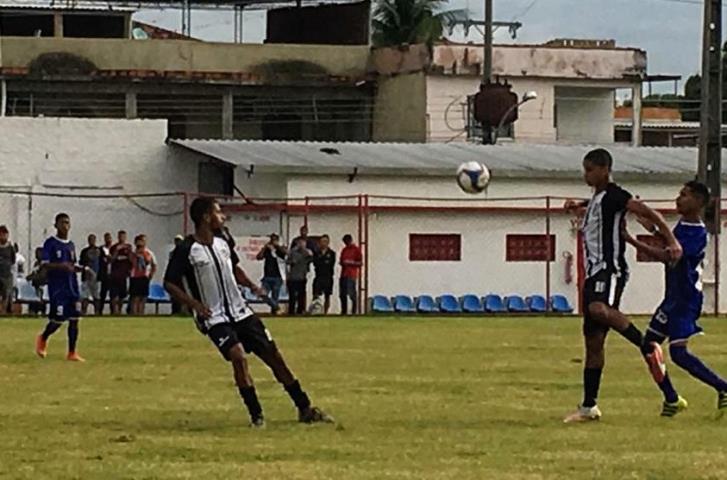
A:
{"x":606,"y":270}
{"x":203,"y":274}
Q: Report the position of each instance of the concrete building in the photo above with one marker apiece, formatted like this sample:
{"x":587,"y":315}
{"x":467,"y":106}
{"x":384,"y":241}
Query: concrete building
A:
{"x":575,"y":81}
{"x":268,"y":91}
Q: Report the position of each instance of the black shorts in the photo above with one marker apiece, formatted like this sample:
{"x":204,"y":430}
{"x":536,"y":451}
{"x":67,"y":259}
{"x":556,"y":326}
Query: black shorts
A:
{"x":604,"y":287}
{"x":118,"y":288}
{"x":250,"y":332}
{"x":139,"y":287}
{"x":63,"y":310}
{"x":322,"y":286}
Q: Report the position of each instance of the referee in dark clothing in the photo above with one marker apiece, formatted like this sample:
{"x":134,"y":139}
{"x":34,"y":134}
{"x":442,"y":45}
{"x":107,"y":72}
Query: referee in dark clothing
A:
{"x":204,"y":274}
{"x":324,"y":262}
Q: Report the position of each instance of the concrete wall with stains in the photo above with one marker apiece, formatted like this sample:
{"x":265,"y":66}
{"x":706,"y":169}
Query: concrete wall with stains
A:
{"x":542,"y":61}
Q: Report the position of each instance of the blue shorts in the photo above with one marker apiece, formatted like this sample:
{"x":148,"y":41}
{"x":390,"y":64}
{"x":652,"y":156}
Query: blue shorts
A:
{"x":674,"y":325}
{"x":64,"y":310}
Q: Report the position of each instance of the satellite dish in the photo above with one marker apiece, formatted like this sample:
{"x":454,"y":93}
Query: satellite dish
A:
{"x":138,"y":33}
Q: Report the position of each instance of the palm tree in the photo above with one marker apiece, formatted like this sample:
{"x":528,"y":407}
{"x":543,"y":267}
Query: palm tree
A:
{"x":398,"y":22}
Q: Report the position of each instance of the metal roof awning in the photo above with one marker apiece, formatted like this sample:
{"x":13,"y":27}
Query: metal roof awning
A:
{"x":134,"y":5}
{"x":441,"y":159}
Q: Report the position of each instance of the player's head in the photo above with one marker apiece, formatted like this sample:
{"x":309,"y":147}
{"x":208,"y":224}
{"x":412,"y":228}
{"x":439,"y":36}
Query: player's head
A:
{"x":206,"y":212}
{"x":347,"y":239}
{"x":597,"y":166}
{"x":91,"y":240}
{"x":4,"y":234}
{"x":121,"y":235}
{"x":107,"y":238}
{"x":693,"y":198}
{"x":63,"y":224}
{"x":325,"y":241}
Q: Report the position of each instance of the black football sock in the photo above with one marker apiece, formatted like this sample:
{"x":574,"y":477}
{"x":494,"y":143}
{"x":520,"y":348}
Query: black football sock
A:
{"x":299,"y":397}
{"x":50,"y":329}
{"x":591,"y":384}
{"x":633,"y":335}
{"x":249,"y":396}
{"x":72,"y":335}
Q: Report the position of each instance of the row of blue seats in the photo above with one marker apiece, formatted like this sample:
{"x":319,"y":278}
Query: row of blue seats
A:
{"x":470,"y":304}
{"x":28,"y":294}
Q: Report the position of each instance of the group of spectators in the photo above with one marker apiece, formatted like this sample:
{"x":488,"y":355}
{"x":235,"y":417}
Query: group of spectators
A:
{"x":291,"y":265}
{"x":114,"y":272}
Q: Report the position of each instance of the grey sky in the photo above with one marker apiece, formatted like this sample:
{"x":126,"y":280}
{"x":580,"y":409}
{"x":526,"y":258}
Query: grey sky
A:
{"x":669,"y":30}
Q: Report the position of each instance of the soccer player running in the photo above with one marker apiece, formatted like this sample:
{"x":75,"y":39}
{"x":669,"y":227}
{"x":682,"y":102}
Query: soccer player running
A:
{"x":204,"y":274}
{"x":677,"y":315}
{"x":59,"y":260}
{"x":606,"y":270}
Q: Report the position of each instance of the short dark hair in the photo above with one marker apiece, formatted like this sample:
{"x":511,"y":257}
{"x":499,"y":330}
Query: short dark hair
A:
{"x":700,"y":190}
{"x":325,"y":235}
{"x":600,"y":157}
{"x":138,"y":237}
{"x":347,"y":238}
{"x":4,"y":229}
{"x":61,"y":216}
{"x":120,"y":232}
{"x":199,"y":208}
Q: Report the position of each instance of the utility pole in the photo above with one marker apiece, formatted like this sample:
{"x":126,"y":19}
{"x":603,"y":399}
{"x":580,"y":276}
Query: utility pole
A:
{"x":710,"y":137}
{"x":487,"y":64}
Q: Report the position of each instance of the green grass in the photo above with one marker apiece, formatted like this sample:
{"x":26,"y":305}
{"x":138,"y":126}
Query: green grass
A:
{"x":458,"y":398}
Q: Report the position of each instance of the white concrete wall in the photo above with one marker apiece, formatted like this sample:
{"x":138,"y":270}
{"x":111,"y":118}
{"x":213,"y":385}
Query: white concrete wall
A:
{"x":584,"y":115}
{"x":91,"y":156}
{"x":543,"y":61}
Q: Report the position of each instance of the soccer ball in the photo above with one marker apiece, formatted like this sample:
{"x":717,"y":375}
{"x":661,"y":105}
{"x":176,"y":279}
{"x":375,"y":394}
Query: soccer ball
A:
{"x":473,"y":177}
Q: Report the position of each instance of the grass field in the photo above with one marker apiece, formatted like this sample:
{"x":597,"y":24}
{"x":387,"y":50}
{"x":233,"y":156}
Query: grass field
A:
{"x":458,"y":398}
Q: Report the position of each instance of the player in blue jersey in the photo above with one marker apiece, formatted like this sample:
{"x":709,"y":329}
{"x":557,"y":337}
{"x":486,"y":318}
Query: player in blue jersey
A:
{"x":59,"y":260}
{"x":677,"y":316}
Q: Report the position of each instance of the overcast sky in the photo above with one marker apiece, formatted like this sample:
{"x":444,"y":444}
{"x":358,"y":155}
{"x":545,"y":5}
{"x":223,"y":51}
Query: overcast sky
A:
{"x":669,"y":30}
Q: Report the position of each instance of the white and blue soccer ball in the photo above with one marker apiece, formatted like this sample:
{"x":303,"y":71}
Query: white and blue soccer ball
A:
{"x":473,"y":177}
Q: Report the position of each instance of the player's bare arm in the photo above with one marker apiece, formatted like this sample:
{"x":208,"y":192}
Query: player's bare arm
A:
{"x":243,"y":280}
{"x":659,"y":253}
{"x":642,"y":210}
{"x":180,"y":296}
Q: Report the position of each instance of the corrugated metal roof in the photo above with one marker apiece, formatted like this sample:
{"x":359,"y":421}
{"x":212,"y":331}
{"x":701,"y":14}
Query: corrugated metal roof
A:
{"x":505,"y":160}
{"x":68,"y":5}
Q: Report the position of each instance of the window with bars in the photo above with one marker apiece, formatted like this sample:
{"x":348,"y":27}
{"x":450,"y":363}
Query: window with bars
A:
{"x":435,"y":247}
{"x":529,"y":248}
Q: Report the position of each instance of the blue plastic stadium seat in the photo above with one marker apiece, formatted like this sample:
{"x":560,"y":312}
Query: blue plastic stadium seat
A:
{"x":494,"y":304}
{"x":381,"y":304}
{"x":27,"y":292}
{"x":404,"y":304}
{"x":472,"y":304}
{"x":157,"y":293}
{"x":537,"y":303}
{"x":516,"y":304}
{"x":449,"y":304}
{"x":426,"y":304}
{"x":560,"y":304}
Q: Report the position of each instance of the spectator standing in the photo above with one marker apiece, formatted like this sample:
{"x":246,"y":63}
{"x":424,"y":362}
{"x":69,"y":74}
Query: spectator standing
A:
{"x":324,"y":262}
{"x":143,"y":268}
{"x":91,"y":258}
{"x":7,"y":263}
{"x":351,"y":261}
{"x":120,"y":272}
{"x":104,"y":275}
{"x":299,"y":259}
{"x":273,"y":270}
{"x":310,"y":243}
{"x":176,"y":306}
{"x":38,"y":278}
